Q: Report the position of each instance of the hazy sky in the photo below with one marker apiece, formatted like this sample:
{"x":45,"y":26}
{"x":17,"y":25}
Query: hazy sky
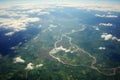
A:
{"x":115,"y":1}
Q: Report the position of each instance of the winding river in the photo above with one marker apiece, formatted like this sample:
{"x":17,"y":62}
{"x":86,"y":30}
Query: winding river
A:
{"x":76,"y":48}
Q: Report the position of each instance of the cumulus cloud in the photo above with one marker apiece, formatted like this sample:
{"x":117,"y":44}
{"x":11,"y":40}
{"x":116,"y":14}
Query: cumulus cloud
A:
{"x":115,"y":38}
{"x":29,"y":66}
{"x":33,"y":6}
{"x":11,"y":13}
{"x":16,"y":24}
{"x":101,"y":48}
{"x":17,"y":20}
{"x":107,"y":36}
{"x":97,"y":29}
{"x":81,"y":5}
{"x":118,"y":40}
{"x":18,"y":60}
{"x":39,"y":65}
{"x":106,"y":24}
{"x":3,"y":12}
{"x":9,"y":33}
{"x":106,"y":16}
{"x":33,"y":11}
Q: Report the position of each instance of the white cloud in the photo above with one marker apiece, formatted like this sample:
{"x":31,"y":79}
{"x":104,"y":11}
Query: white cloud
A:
{"x":92,"y":6}
{"x":115,"y":38}
{"x":106,"y":36}
{"x":18,"y":60}
{"x":84,"y":5}
{"x":9,"y":33}
{"x":106,"y":24}
{"x":11,"y":13}
{"x":106,"y":16}
{"x":20,"y":43}
{"x":18,"y":20}
{"x":36,"y":11}
{"x":39,"y":65}
{"x":29,"y":66}
{"x":81,"y":5}
{"x":97,"y":29}
{"x":60,"y":48}
{"x":52,"y":25}
{"x":33,"y":6}
{"x":101,"y":48}
{"x":3,"y":12}
{"x":118,"y":40}
{"x":43,"y":13}
{"x":98,"y":15}
{"x":50,"y":28}
{"x":33,"y":11}
{"x":16,"y":24}
{"x":111,"y":16}
{"x":12,"y":48}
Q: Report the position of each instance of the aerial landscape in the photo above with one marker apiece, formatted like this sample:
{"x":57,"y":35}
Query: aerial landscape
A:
{"x":59,"y":40}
